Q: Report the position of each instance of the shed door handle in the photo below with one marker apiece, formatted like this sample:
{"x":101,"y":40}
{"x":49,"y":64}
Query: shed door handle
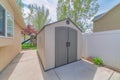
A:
{"x":67,"y":44}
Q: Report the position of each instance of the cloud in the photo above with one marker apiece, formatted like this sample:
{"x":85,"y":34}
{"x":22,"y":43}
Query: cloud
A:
{"x":49,"y":4}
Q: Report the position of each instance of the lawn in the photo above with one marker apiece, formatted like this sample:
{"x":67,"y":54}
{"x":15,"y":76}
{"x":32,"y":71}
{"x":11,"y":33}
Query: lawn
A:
{"x":28,"y":46}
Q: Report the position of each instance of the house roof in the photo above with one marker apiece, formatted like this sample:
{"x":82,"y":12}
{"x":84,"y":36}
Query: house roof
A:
{"x":98,"y":17}
{"x":59,"y":21}
{"x":17,"y":13}
{"x":103,"y":14}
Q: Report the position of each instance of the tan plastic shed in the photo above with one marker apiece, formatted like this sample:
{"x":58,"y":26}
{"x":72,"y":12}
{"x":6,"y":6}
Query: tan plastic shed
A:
{"x":59,"y":43}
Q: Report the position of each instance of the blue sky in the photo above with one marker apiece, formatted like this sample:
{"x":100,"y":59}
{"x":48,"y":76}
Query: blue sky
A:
{"x":105,"y":5}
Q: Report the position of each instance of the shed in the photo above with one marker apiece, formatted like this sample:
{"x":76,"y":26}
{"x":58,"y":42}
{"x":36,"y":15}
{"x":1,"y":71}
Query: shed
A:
{"x":59,"y":43}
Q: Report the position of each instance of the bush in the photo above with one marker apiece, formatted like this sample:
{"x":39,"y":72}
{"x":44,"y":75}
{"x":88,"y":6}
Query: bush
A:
{"x":97,"y":61}
{"x":28,"y":46}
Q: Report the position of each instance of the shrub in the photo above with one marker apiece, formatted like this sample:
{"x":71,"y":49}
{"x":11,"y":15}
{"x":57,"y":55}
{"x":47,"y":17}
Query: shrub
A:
{"x":28,"y":46}
{"x":98,"y":61}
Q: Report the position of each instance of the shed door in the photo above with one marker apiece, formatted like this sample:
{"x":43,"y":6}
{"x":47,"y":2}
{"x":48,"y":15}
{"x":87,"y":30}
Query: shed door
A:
{"x":65,"y":46}
{"x":60,"y":46}
{"x":72,"y":49}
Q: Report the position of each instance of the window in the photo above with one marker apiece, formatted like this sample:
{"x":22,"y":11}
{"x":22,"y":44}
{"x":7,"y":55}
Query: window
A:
{"x":9,"y":25}
{"x":6,"y":23}
{"x":2,"y":21}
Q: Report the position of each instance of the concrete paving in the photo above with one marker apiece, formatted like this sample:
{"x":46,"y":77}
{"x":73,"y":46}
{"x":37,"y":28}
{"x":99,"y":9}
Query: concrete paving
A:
{"x":81,"y":70}
{"x":26,"y":66}
{"x":115,"y":76}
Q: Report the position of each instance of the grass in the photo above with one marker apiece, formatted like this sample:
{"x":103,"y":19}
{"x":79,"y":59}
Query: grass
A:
{"x":28,"y":46}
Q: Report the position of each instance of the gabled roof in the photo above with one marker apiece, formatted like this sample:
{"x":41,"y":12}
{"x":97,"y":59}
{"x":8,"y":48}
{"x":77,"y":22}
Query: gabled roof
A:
{"x":17,"y":13}
{"x":103,"y":14}
{"x":58,"y":22}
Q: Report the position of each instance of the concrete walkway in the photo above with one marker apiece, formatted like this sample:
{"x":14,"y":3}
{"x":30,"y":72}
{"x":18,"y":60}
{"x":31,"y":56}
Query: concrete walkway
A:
{"x":26,"y":66}
{"x":81,"y":70}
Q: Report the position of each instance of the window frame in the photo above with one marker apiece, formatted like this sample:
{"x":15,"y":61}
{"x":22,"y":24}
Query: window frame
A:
{"x":12,"y":23}
{"x":6,"y":11}
{"x":4,"y":28}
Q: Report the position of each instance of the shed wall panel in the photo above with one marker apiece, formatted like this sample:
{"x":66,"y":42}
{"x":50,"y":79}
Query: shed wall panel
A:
{"x":41,"y":46}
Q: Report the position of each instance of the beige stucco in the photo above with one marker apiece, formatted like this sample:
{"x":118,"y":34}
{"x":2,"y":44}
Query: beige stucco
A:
{"x":49,"y":54}
{"x":10,"y":47}
{"x":110,"y":20}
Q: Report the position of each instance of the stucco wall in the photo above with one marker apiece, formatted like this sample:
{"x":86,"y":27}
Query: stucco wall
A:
{"x":7,"y":53}
{"x":9,"y":47}
{"x":6,"y":5}
{"x":105,"y":45}
{"x":50,"y":42}
{"x":110,"y":21}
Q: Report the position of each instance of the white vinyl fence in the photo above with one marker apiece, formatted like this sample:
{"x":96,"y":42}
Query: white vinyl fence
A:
{"x":105,"y":45}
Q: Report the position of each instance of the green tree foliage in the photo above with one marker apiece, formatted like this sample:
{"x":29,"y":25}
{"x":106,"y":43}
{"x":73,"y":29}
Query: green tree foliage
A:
{"x":20,"y":4}
{"x":38,"y":16}
{"x":80,"y":11}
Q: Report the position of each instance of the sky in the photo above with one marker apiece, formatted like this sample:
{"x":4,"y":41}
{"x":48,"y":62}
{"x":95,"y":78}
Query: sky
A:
{"x":105,"y":5}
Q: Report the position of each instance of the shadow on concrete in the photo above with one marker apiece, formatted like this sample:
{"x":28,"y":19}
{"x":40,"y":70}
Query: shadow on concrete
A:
{"x":7,"y":72}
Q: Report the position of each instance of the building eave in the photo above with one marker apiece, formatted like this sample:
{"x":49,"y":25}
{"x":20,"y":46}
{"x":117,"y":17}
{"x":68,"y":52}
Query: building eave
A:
{"x":17,"y":14}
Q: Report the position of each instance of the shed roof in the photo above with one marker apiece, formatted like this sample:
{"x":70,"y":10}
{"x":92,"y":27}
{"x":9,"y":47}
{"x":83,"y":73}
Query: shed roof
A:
{"x":103,"y":14}
{"x":58,"y":22}
{"x":17,"y":13}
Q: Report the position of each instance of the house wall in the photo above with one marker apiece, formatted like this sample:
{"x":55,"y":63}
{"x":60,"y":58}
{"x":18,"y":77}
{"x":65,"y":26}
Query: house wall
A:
{"x":50,"y":43}
{"x":105,"y":45}
{"x":6,"y":41}
{"x":110,"y":21}
{"x":8,"y":52}
{"x":9,"y":47}
{"x":41,"y":46}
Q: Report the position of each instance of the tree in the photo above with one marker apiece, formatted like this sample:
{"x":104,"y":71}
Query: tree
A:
{"x":30,"y":16}
{"x":80,"y":11}
{"x":38,"y":16}
{"x":29,"y":30}
{"x":29,"y":34}
{"x":20,"y":4}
